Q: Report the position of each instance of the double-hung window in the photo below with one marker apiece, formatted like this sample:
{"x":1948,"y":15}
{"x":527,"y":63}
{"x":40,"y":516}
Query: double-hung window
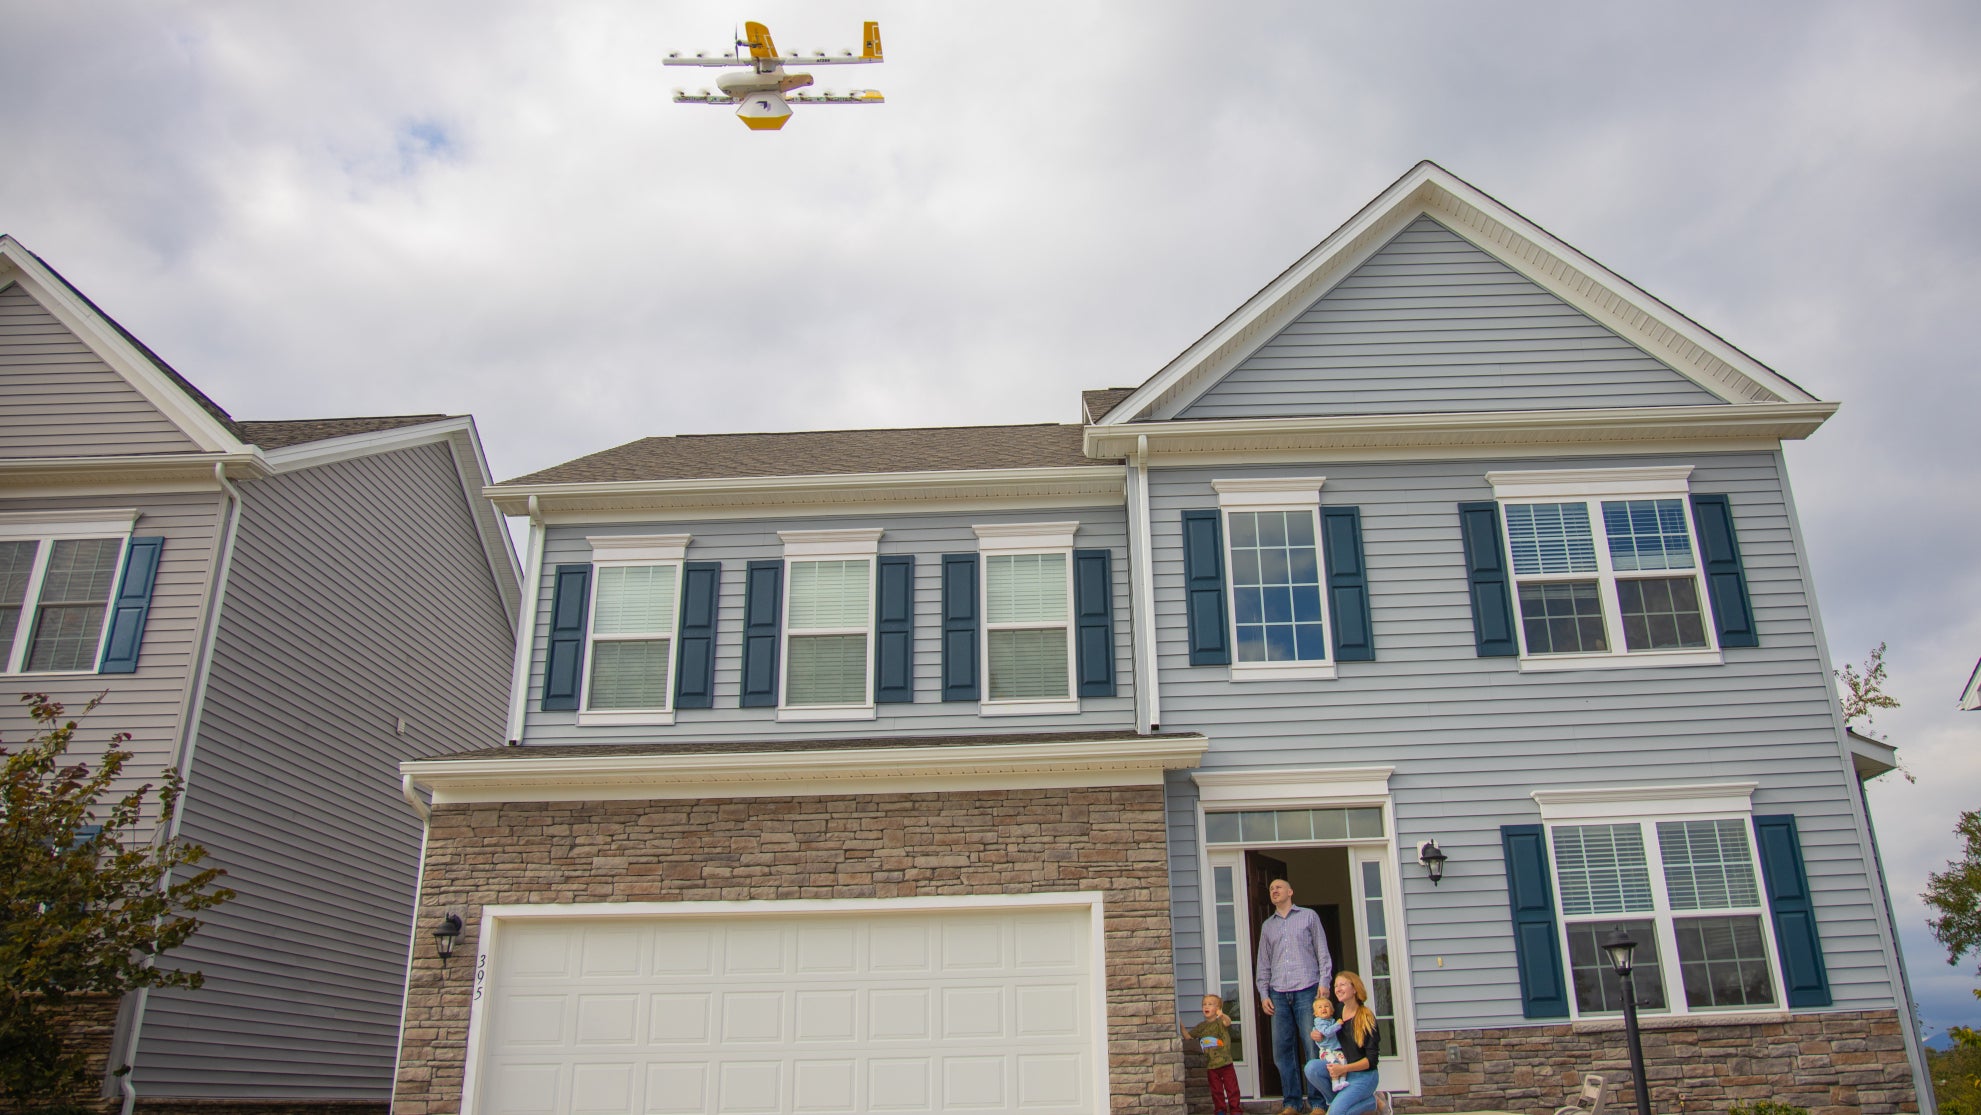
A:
{"x":1278,"y":610}
{"x":1028,"y":618}
{"x":57,"y":573}
{"x":635,"y":610}
{"x":828,"y":624}
{"x":1606,"y":567}
{"x":1686,"y":886}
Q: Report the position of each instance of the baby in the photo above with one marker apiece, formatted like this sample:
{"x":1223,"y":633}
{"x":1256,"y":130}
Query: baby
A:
{"x":1326,"y":1033}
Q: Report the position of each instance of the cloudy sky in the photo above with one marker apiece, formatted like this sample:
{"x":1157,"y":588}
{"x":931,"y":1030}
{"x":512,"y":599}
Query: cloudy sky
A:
{"x":494,"y":208}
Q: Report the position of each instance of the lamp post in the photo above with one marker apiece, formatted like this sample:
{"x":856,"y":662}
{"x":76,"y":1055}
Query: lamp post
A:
{"x":1621,"y":949}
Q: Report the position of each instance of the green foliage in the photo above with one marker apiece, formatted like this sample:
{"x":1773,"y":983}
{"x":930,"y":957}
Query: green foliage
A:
{"x":85,"y":902}
{"x":1955,"y":894}
{"x":1764,"y":1107}
{"x":1956,"y":1073}
{"x":1864,"y":693}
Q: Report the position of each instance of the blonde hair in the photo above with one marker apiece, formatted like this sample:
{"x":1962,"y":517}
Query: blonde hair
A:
{"x":1365,"y":1018}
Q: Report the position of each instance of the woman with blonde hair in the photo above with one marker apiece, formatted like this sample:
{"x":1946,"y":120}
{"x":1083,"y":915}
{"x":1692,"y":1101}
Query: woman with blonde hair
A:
{"x":1349,"y":1087}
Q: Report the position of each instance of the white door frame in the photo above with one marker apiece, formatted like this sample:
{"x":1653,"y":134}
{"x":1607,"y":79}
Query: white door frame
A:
{"x":493,"y":918}
{"x":1318,"y":788}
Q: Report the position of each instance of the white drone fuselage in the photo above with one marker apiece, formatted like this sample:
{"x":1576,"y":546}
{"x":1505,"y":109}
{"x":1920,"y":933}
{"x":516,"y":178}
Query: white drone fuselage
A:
{"x":760,"y":90}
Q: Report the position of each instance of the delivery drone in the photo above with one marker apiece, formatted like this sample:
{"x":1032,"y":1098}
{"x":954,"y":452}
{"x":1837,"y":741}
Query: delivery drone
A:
{"x":763,"y":93}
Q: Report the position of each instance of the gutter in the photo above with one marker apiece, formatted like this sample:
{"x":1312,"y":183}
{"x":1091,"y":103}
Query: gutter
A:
{"x":1141,"y":556}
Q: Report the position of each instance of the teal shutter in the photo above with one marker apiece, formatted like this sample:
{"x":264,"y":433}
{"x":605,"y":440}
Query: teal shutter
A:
{"x":1536,"y":945}
{"x":694,"y":663}
{"x":564,"y":662}
{"x":1487,"y":574}
{"x":131,"y":606}
{"x":1726,"y":578}
{"x":1348,"y":585}
{"x":1203,"y":589}
{"x":1093,"y":621}
{"x":1794,"y":915}
{"x":959,"y":627}
{"x":894,"y":629}
{"x":763,"y":601}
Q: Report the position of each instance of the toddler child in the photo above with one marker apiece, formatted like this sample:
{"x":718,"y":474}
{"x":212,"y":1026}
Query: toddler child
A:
{"x":1213,"y":1036}
{"x":1327,"y":1033}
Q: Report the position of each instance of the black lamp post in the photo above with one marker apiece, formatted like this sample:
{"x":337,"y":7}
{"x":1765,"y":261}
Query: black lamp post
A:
{"x":1621,"y":949}
{"x":444,"y":937}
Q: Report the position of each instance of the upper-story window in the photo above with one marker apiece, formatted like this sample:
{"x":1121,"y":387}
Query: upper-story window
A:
{"x":57,"y":575}
{"x":1279,"y":617}
{"x":1605,"y":566}
{"x":1028,"y":618}
{"x":635,"y":610}
{"x":828,"y":624}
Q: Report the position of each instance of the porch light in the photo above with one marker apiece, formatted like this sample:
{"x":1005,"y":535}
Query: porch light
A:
{"x":450,"y":928}
{"x":1433,"y":859}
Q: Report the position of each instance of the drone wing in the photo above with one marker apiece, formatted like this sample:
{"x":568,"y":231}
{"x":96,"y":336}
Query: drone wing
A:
{"x":856,"y":97}
{"x":763,"y":50}
{"x":702,"y":98}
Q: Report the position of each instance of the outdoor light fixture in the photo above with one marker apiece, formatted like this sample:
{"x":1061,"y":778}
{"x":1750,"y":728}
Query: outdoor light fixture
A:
{"x":1622,"y":951}
{"x":1433,"y":859}
{"x":450,"y":928}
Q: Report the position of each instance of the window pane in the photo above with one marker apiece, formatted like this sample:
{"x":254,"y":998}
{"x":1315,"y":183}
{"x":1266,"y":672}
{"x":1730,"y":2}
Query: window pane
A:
{"x":1661,"y":613}
{"x":1707,"y":866}
{"x":826,"y":670}
{"x":1295,"y":824}
{"x":1365,"y":822}
{"x":635,"y":600}
{"x":1025,"y":588}
{"x":16,"y":565}
{"x":829,"y":594}
{"x":1601,"y":869}
{"x":75,"y":594}
{"x":629,"y":674}
{"x":1258,"y":826}
{"x":1221,"y":828}
{"x":1550,"y":538}
{"x":1276,"y":586}
{"x":1597,"y":986}
{"x":1028,"y":665}
{"x":1563,"y":617}
{"x":1647,"y":534}
{"x":1724,"y":962}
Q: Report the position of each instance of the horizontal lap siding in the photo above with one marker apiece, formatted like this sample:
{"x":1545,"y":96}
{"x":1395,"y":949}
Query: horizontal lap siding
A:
{"x":1432,"y":323}
{"x":359,"y":594}
{"x":147,"y":703}
{"x":1471,"y":738}
{"x":59,"y":399}
{"x":927,"y":537}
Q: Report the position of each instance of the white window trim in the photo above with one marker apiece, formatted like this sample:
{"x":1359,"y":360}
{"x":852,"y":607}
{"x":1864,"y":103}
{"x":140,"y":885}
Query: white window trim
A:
{"x":47,"y":528}
{"x":1275,"y":493}
{"x":633,"y":550}
{"x":1026,"y":538}
{"x":1645,"y":807}
{"x":1591,"y":487}
{"x":852,"y":544}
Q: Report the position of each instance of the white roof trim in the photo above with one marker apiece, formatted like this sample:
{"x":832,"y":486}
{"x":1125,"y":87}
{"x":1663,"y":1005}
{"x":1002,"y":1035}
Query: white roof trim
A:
{"x":17,"y":264}
{"x":1970,"y":698}
{"x":1128,"y":761}
{"x":1430,"y":190}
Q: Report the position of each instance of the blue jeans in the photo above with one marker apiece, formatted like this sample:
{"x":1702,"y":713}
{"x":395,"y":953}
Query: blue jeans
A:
{"x":1293,"y":1016}
{"x":1353,"y":1094}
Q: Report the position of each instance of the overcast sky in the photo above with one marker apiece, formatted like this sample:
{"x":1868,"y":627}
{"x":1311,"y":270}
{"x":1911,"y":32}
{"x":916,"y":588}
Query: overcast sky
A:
{"x":494,"y":208}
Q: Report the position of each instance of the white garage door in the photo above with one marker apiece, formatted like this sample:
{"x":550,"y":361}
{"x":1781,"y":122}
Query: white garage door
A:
{"x":954,"y":1010}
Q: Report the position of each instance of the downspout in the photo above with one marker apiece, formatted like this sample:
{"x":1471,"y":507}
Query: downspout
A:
{"x":1148,"y":697}
{"x":526,"y":627}
{"x":425,"y":812}
{"x":220,"y":561}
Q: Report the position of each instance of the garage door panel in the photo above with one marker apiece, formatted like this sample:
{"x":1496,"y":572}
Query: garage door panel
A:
{"x":676,"y":1088}
{"x":827,"y":1016}
{"x":681,"y":1018}
{"x":1049,"y":1010}
{"x":824,"y":1086}
{"x":899,"y":1084}
{"x":826,"y":949}
{"x":685,"y":950}
{"x":607,"y":1020}
{"x":898,"y":948}
{"x":750,"y":1086}
{"x":602,"y":1089}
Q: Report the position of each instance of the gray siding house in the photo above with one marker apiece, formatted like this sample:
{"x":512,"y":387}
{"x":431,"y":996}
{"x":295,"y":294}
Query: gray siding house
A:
{"x":944,"y":769}
{"x":283,"y":611}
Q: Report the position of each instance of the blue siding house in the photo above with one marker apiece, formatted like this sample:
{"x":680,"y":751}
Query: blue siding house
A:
{"x":945,"y":768}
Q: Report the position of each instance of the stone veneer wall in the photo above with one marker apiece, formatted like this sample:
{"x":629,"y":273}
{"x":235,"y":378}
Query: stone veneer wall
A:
{"x":1833,"y":1063}
{"x":89,"y":1024}
{"x":865,"y":846}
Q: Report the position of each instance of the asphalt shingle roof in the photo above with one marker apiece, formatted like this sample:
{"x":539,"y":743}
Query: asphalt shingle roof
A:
{"x":1099,"y":401}
{"x":296,"y":431}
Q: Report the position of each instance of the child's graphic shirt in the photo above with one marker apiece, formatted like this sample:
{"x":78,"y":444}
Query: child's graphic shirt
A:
{"x":1214,"y":1037}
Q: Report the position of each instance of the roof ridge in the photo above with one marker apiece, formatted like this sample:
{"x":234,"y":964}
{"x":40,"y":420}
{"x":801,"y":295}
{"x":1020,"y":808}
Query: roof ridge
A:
{"x":861,"y":430}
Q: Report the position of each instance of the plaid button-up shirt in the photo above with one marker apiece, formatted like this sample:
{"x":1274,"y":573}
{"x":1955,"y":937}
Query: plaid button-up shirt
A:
{"x":1293,"y":952}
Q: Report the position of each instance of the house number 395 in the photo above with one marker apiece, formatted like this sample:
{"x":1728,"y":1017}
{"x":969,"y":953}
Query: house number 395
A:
{"x":481,"y":973}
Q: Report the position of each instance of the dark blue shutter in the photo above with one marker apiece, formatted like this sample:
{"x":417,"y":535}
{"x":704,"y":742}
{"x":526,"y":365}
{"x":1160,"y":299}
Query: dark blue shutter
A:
{"x":959,"y":627}
{"x":694,"y":669}
{"x":1803,"y":971}
{"x":131,"y":606}
{"x":894,"y":629}
{"x":1536,"y":945}
{"x":1093,"y":621}
{"x":1348,"y":585}
{"x":564,"y":662}
{"x":1726,"y":579}
{"x":1203,"y":589}
{"x":763,"y":600}
{"x":1485,"y":569}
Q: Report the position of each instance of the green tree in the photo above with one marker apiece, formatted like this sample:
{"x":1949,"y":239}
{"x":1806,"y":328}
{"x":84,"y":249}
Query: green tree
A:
{"x":1864,"y":693}
{"x":86,"y":900}
{"x":1955,"y":897}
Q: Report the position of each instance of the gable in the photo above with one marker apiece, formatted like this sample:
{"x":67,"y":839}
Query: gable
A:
{"x":1431,"y":323}
{"x":59,"y":398}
